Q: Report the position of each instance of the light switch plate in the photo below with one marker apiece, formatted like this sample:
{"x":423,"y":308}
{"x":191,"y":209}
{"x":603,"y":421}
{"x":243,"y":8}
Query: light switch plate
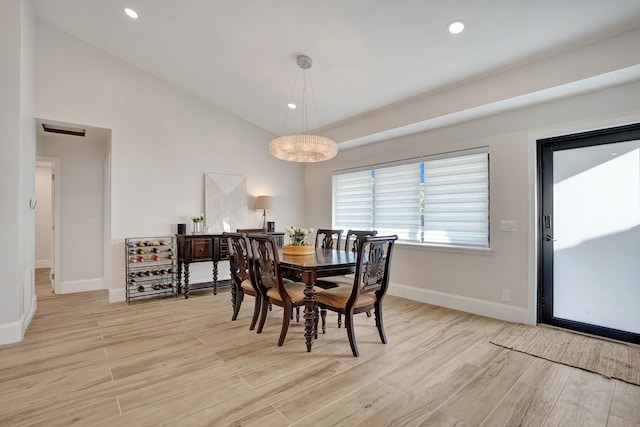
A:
{"x":508,"y":225}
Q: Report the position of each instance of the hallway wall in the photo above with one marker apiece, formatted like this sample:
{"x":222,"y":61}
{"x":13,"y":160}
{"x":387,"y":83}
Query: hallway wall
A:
{"x":44,"y":217}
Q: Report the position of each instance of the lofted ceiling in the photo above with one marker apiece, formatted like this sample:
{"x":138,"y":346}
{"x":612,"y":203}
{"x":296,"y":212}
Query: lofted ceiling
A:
{"x":368,"y":54}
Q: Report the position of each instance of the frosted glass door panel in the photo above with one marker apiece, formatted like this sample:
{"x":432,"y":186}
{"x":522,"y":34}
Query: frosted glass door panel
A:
{"x":596,"y":252}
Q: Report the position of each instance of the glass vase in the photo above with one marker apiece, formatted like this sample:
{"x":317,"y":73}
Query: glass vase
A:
{"x":197,"y":227}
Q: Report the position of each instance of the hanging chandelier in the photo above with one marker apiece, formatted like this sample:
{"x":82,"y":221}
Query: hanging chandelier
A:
{"x":303,"y":147}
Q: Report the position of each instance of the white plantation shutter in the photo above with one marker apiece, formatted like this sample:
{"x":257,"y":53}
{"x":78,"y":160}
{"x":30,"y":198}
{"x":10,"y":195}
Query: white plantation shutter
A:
{"x":456,"y":201}
{"x":353,"y":201}
{"x":397,"y":201}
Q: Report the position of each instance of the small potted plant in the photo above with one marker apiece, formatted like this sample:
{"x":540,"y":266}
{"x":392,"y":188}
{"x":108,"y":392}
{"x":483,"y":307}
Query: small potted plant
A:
{"x":197,"y":223}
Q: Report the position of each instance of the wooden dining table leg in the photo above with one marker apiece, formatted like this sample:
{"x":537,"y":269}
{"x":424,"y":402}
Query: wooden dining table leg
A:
{"x":309,"y":279}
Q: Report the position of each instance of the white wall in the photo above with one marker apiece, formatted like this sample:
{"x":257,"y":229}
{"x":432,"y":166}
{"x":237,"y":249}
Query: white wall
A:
{"x":163,"y":141}
{"x":44,"y":218}
{"x":17,"y":168}
{"x":465,"y":279}
{"x":10,"y":159}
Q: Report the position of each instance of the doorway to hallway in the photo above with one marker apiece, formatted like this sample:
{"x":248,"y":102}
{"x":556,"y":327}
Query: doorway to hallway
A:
{"x":82,"y":201}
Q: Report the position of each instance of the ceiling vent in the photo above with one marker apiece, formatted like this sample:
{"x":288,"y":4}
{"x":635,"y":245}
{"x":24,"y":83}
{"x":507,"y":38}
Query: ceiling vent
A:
{"x":64,"y":130}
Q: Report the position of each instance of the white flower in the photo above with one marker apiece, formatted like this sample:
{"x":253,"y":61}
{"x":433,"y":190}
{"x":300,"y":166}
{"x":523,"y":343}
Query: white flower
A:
{"x":198,"y":218}
{"x":298,"y":236}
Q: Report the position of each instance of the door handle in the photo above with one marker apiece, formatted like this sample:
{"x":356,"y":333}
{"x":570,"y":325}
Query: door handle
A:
{"x":549,"y":238}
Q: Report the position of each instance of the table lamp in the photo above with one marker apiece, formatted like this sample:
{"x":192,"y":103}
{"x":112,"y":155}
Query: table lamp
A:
{"x":264,"y":204}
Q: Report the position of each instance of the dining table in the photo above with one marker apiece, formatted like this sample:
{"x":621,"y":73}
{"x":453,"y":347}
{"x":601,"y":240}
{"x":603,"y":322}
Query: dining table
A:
{"x":308,"y":269}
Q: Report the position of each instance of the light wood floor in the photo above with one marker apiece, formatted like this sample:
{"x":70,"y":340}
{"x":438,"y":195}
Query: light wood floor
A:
{"x":183,"y":362}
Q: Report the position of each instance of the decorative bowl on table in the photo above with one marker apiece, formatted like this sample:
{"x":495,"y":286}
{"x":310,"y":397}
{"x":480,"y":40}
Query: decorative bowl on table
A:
{"x":298,"y":250}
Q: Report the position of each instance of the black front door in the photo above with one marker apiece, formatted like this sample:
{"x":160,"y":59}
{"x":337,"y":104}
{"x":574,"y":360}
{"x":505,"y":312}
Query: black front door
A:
{"x":589,"y":231}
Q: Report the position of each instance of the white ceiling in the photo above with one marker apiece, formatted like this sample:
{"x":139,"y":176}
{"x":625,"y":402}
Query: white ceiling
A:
{"x":368,"y":54}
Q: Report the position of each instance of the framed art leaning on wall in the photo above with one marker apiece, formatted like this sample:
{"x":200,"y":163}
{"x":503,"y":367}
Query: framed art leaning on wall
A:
{"x":225,"y":202}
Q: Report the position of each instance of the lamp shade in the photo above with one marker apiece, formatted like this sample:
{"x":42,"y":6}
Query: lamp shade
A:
{"x":264,"y":203}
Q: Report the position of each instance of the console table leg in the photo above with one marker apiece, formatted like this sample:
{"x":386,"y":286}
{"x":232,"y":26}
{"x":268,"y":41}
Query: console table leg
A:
{"x":179,"y":277}
{"x":215,"y":278}
{"x":186,"y":281}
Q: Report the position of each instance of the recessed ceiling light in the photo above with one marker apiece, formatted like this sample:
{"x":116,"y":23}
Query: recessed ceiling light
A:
{"x":456,"y":27}
{"x":131,"y":13}
{"x":291,"y":105}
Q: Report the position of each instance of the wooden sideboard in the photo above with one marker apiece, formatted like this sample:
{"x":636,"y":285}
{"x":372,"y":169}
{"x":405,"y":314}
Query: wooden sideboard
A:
{"x":204,"y":248}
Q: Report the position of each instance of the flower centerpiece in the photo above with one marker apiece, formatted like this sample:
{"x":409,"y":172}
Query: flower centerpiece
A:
{"x":298,"y":241}
{"x":197,"y":222}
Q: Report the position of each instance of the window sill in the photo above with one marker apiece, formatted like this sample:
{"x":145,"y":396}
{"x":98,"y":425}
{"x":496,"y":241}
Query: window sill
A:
{"x":445,"y":248}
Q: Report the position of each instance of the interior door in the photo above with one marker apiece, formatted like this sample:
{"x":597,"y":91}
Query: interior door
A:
{"x":589,"y":232}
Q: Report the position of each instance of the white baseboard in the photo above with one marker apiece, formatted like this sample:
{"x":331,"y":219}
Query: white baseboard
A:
{"x":73,"y":286}
{"x":491,"y":309}
{"x":14,"y":331}
{"x":117,"y":295}
{"x":43,"y":263}
{"x":10,"y":332}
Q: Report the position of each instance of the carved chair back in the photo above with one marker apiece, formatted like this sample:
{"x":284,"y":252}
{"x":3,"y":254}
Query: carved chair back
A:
{"x":239,"y":257}
{"x":266,"y":265}
{"x":328,"y":239}
{"x":373,"y":267}
{"x":353,"y":239}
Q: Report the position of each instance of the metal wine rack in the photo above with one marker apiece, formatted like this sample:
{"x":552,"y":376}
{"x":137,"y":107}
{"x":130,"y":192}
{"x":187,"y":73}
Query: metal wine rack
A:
{"x":151,"y":267}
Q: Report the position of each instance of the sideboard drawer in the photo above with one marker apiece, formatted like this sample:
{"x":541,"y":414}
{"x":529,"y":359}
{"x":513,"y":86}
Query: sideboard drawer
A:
{"x":201,"y":250}
{"x":224,"y":249}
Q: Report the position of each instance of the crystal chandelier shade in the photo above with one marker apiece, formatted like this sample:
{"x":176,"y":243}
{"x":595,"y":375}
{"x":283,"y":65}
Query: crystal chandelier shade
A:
{"x":303,"y":148}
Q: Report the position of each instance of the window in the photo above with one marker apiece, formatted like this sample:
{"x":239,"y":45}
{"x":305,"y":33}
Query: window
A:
{"x":441,"y":200}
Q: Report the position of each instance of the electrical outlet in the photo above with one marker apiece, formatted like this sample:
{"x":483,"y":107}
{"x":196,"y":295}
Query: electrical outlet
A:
{"x":506,"y":295}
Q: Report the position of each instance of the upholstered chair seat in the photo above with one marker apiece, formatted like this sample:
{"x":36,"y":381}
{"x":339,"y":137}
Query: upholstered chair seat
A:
{"x":294,"y":289}
{"x":339,"y":296}
{"x":247,"y":287}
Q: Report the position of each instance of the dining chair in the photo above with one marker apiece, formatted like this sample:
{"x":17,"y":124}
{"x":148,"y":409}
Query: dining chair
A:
{"x":369,"y":287}
{"x":242,"y":283}
{"x":273,"y":287}
{"x":327,"y":238}
{"x":260,"y":230}
{"x":352,"y":242}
